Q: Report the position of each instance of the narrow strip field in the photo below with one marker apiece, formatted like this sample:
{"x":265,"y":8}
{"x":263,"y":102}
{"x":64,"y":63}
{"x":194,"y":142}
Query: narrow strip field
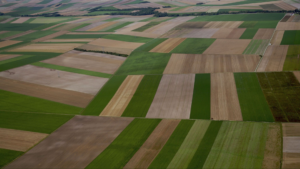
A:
{"x":291,"y":150}
{"x":277,"y":38}
{"x":168,"y":45}
{"x":257,"y":46}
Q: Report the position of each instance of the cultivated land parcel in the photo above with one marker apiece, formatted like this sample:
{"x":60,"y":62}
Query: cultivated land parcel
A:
{"x":107,"y":84}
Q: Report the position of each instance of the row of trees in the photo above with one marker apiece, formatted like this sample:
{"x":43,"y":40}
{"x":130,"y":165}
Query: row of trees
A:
{"x":96,"y":51}
{"x":134,"y":11}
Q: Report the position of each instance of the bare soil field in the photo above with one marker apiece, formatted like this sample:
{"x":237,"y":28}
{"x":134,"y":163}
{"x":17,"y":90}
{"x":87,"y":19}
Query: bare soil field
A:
{"x":288,"y":26}
{"x":191,"y":25}
{"x":98,"y":28}
{"x":97,"y":62}
{"x":19,"y":140}
{"x":74,"y":145}
{"x":152,"y":146}
{"x":297,"y":75}
{"x":49,"y":93}
{"x":223,"y":24}
{"x":229,"y":33}
{"x":224,"y":103}
{"x":52,"y":26}
{"x":122,"y":97}
{"x":264,"y":34}
{"x":291,"y":145}
{"x":285,"y":6}
{"x":69,"y":40}
{"x":273,"y":59}
{"x":222,"y":2}
{"x":168,"y":45}
{"x":8,"y":43}
{"x":90,"y":26}
{"x":291,"y":129}
{"x":50,"y":36}
{"x":173,"y":98}
{"x":190,"y":33}
{"x":51,"y":47}
{"x":272,"y":156}
{"x":7,"y":56}
{"x":228,"y":46}
{"x":7,"y":20}
{"x":131,"y":27}
{"x":277,"y":38}
{"x":133,"y":18}
{"x":194,"y":63}
{"x":19,"y":35}
{"x":88,"y":33}
{"x":56,"y":78}
{"x":21,"y":20}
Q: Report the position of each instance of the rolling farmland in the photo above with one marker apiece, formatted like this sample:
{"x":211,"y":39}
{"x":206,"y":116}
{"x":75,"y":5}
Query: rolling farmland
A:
{"x":108,"y":84}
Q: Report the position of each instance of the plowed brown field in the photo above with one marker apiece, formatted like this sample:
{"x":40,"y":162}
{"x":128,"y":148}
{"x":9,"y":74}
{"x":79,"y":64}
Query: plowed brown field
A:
{"x":168,"y":45}
{"x":264,"y":34}
{"x":228,"y":46}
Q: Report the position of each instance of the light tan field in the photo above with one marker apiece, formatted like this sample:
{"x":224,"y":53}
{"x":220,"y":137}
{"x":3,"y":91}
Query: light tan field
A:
{"x":272,"y":156}
{"x":291,"y":129}
{"x":297,"y":75}
{"x":21,"y":20}
{"x":273,"y":59}
{"x":51,"y":47}
{"x":88,"y":33}
{"x":19,"y":35}
{"x":54,"y":94}
{"x":128,"y":30}
{"x":167,"y":45}
{"x":197,"y":63}
{"x":69,"y":40}
{"x":98,"y":28}
{"x":56,"y":78}
{"x":152,"y":146}
{"x":277,"y":38}
{"x":50,"y":36}
{"x":227,"y":46}
{"x":173,"y":98}
{"x":7,"y":56}
{"x":74,"y":145}
{"x":229,"y":33}
{"x":98,"y":62}
{"x":7,"y":20}
{"x":67,"y":27}
{"x":288,"y":26}
{"x":122,"y":97}
{"x":224,"y":103}
{"x":190,"y":33}
{"x":264,"y":34}
{"x":19,"y":140}
{"x":222,"y":2}
{"x":223,"y":24}
{"x":8,"y":43}
{"x":285,"y":6}
{"x":115,"y":44}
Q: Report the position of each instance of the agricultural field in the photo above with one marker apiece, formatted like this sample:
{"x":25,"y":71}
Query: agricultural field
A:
{"x":208,"y":84}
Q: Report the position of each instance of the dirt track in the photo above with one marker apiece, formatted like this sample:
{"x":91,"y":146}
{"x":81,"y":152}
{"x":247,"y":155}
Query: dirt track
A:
{"x":74,"y":145}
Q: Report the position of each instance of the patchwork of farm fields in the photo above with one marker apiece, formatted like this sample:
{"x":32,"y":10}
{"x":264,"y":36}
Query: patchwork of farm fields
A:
{"x":122,"y":91}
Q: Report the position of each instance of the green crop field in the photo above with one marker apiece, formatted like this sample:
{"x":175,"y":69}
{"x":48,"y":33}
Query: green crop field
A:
{"x":249,"y":33}
{"x":7,"y":156}
{"x":252,"y":101}
{"x":281,"y":90}
{"x":143,"y":97}
{"x":118,"y":27}
{"x":147,"y":26}
{"x":104,"y":95}
{"x":291,"y":37}
{"x":256,"y":46}
{"x":80,"y":36}
{"x":18,"y":27}
{"x":8,"y":34}
{"x":34,"y":35}
{"x":127,"y":38}
{"x":259,"y":24}
{"x":119,"y":152}
{"x":201,"y":97}
{"x":10,"y":101}
{"x":193,"y":46}
{"x":292,"y":61}
{"x":73,"y":70}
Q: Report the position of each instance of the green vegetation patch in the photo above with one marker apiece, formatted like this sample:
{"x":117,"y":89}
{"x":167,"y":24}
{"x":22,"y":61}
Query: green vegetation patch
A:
{"x":173,"y":144}
{"x":205,"y":145}
{"x":201,"y":97}
{"x":249,"y":33}
{"x":136,"y":2}
{"x":104,"y":96}
{"x":118,"y":27}
{"x":121,"y":150}
{"x":238,"y":145}
{"x":143,"y":97}
{"x":166,"y":4}
{"x":178,"y":8}
{"x":18,"y":27}
{"x":270,"y":7}
{"x":193,"y":45}
{"x":45,"y":1}
{"x":291,"y":37}
{"x":80,"y":36}
{"x":14,"y":59}
{"x":238,"y":10}
{"x":147,"y":26}
{"x":8,"y":5}
{"x":8,"y":34}
{"x":292,"y":60}
{"x":253,"y":46}
{"x":7,"y":156}
{"x":241,"y":17}
{"x":73,"y":70}
{"x":35,"y":122}
{"x":282,"y":91}
{"x":78,"y":27}
{"x":34,"y":35}
{"x":259,"y":24}
{"x":24,"y":10}
{"x":253,"y":104}
{"x":10,"y":101}
{"x":127,"y":38}
{"x":112,"y":19}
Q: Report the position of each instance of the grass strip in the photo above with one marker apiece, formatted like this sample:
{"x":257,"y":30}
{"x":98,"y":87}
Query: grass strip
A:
{"x":201,"y":97}
{"x":73,"y":70}
{"x":120,"y":151}
{"x":193,"y":46}
{"x":143,"y":97}
{"x":173,"y":144}
{"x":147,"y":26}
{"x":104,"y":95}
{"x":35,"y":122}
{"x":10,"y":101}
{"x":7,"y":156}
{"x":14,"y":59}
{"x":205,"y":145}
{"x":118,"y":27}
{"x":253,"y":104}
